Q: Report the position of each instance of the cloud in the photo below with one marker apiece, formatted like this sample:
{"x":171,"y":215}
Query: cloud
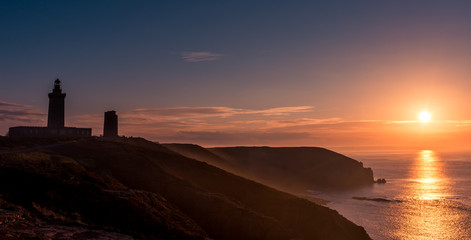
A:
{"x":282,"y":110}
{"x":12,"y":114}
{"x":204,"y":112}
{"x":200,"y":56}
{"x":18,"y":112}
{"x":170,"y":121}
{"x":185,"y":112}
{"x":278,"y":126}
{"x":8,"y":104}
{"x":220,"y":138}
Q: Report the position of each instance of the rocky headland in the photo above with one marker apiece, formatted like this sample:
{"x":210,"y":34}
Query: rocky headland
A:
{"x":293,"y":169}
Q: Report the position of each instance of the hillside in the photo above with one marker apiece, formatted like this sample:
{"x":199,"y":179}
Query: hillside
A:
{"x":200,"y":153}
{"x":297,"y":168}
{"x":135,"y":188}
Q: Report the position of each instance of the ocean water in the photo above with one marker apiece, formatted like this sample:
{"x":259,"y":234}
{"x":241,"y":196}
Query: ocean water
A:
{"x":427,"y":196}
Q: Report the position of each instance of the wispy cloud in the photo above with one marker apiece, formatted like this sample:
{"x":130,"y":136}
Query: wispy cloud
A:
{"x":278,"y":126}
{"x":186,"y":112}
{"x":18,"y":112}
{"x":203,"y":112}
{"x":12,"y":114}
{"x":235,"y":138}
{"x":282,"y":110}
{"x":200,"y":56}
{"x":170,"y":121}
{"x":8,"y":104}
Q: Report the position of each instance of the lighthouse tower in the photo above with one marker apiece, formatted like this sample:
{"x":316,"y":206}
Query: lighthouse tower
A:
{"x":55,"y":117}
{"x":55,"y":121}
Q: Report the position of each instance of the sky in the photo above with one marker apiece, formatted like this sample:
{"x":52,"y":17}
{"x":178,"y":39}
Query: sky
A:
{"x":224,"y":73}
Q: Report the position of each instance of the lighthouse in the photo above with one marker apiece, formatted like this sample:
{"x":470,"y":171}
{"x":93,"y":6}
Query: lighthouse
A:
{"x":55,"y":121}
{"x":55,"y":116}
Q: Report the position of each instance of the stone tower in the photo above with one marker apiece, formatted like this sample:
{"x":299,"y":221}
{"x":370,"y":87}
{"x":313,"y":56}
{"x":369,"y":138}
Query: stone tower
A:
{"x":111,"y":124}
{"x":55,"y":116}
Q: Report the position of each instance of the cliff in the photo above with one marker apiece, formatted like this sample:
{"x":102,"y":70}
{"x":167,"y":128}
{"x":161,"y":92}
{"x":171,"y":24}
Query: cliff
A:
{"x":288,"y":168}
{"x":135,"y":188}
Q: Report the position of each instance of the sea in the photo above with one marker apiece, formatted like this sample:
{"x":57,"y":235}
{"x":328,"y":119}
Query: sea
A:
{"x":427,"y":195}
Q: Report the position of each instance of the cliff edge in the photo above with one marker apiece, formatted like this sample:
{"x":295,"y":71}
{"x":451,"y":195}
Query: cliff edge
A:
{"x":296,"y":168}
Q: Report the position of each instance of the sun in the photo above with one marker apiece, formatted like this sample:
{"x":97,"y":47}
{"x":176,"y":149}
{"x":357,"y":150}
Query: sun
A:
{"x":425,"y":116}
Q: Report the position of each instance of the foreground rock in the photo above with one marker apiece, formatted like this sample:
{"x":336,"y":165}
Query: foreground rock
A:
{"x":21,"y":225}
{"x":141,"y":189}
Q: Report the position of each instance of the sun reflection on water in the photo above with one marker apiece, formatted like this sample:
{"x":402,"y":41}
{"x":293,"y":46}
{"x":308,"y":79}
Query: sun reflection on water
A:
{"x":430,"y":181}
{"x":428,"y":214}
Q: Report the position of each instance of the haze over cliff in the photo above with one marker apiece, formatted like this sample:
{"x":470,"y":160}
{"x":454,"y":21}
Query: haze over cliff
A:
{"x":289,"y":168}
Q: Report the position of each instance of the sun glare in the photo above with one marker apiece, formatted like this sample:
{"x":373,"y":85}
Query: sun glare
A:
{"x":425,"y":116}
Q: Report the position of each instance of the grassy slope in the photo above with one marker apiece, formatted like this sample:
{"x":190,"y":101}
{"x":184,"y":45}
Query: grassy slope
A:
{"x":58,"y":189}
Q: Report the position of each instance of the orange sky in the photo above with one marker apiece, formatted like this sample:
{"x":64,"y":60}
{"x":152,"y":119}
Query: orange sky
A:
{"x":314,"y":73}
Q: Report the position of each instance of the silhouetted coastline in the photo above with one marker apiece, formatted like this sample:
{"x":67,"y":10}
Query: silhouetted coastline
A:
{"x":142,"y":189}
